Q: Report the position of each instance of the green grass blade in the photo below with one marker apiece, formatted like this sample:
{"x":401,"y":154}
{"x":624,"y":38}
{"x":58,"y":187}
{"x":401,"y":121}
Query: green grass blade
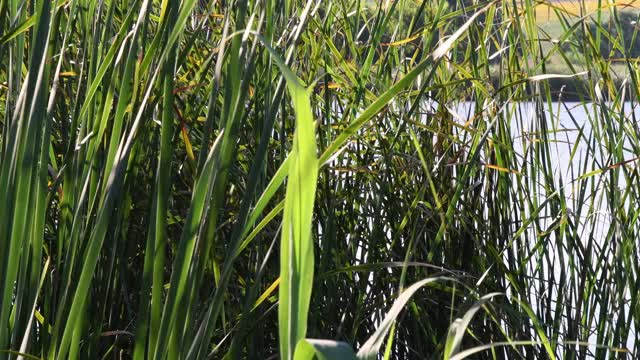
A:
{"x":296,"y":246}
{"x":371,"y":347}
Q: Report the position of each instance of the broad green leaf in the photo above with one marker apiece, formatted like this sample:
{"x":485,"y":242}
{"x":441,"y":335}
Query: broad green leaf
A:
{"x":310,"y":349}
{"x":296,"y":244}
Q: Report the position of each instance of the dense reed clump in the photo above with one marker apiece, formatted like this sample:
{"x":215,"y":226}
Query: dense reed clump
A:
{"x":237,"y":179}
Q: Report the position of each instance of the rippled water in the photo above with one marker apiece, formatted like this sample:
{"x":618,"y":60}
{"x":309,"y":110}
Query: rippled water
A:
{"x":581,"y":138}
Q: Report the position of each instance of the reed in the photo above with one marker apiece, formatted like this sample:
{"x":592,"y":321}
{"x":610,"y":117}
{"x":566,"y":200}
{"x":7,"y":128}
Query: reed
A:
{"x":334,"y":179}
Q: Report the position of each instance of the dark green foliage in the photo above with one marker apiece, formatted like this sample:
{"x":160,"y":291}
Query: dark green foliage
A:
{"x":618,"y":37}
{"x":621,"y":38}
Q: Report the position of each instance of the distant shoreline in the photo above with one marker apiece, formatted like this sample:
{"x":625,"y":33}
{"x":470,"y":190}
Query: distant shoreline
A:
{"x":570,"y":89}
